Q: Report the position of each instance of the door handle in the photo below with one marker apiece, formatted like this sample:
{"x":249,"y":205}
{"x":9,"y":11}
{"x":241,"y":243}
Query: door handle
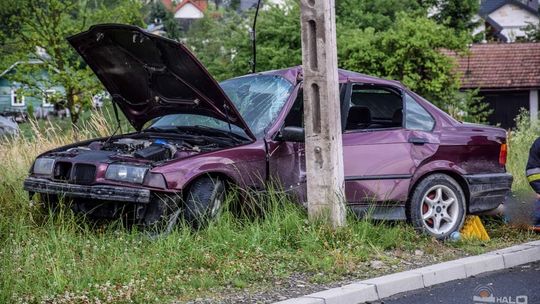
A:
{"x":419,"y":141}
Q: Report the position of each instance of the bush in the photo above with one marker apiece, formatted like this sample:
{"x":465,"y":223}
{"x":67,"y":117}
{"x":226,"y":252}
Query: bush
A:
{"x":520,"y":140}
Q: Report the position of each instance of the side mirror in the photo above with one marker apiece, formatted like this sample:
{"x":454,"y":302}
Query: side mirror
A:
{"x":294,"y":134}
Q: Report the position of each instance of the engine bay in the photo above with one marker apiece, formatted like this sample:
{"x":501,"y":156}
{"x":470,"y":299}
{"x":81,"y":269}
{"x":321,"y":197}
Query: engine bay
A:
{"x":143,"y":148}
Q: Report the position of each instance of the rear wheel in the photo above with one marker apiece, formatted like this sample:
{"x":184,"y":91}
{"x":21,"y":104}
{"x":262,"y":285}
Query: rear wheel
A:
{"x":437,"y":206}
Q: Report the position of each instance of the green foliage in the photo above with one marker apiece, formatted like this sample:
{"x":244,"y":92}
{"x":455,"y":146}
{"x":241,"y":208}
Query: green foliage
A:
{"x":457,"y":14}
{"x":469,"y":107}
{"x":221,"y":40}
{"x":380,"y":14}
{"x":533,"y":32}
{"x":64,"y":258}
{"x":390,"y":39}
{"x":408,"y":51}
{"x":30,"y":109}
{"x":405,"y":47}
{"x":43,"y":27}
{"x":171,"y":26}
{"x":520,"y":140}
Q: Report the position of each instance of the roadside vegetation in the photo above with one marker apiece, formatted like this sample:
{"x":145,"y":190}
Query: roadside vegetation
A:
{"x":63,"y":258}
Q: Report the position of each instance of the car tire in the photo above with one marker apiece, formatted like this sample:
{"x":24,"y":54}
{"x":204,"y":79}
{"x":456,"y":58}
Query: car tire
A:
{"x":204,"y":201}
{"x":437,"y":206}
{"x":162,"y":214}
{"x":49,"y":202}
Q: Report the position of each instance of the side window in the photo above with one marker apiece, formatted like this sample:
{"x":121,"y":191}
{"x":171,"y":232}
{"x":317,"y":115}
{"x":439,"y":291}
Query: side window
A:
{"x":416,"y":117}
{"x":374,"y":108}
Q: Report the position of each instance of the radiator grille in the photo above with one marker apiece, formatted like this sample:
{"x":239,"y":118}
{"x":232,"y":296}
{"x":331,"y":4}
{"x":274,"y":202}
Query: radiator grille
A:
{"x":84,"y":174}
{"x":62,"y":171}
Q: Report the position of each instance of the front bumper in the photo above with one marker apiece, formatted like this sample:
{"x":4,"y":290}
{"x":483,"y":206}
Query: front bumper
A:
{"x":99,"y":192}
{"x":488,"y":191}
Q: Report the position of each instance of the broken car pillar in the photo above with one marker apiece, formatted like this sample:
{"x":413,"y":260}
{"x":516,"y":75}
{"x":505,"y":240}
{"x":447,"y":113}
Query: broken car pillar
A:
{"x":324,"y":151}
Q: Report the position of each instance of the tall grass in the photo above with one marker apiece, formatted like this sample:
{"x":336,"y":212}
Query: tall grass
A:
{"x":61,"y":258}
{"x":520,"y":140}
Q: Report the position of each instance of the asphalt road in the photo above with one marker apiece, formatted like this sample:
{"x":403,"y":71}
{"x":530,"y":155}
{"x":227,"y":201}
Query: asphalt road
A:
{"x":519,"y":285}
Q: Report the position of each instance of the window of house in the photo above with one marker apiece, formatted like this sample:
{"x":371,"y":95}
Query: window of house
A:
{"x":416,"y":117}
{"x":47,"y":98}
{"x":374,"y":108}
{"x":17,"y":99}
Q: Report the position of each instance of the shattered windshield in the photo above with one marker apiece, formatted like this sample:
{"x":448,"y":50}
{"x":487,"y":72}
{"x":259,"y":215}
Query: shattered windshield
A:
{"x":258,"y":98}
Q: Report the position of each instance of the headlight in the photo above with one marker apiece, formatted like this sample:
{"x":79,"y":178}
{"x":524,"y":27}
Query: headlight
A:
{"x":43,"y":165}
{"x":126,"y":173}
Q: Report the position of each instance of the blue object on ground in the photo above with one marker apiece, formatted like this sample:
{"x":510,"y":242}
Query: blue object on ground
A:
{"x":455,"y":236}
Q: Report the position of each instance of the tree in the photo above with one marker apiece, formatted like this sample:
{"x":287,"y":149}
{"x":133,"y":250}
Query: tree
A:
{"x":9,"y":8}
{"x":409,"y":51}
{"x":159,"y":12}
{"x":222,"y":40}
{"x":533,"y":32}
{"x":379,"y":15}
{"x":43,"y":28}
{"x":469,"y":107}
{"x":457,"y":14}
{"x":387,"y":38}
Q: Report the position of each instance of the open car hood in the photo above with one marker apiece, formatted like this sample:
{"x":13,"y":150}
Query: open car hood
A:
{"x":149,"y":76}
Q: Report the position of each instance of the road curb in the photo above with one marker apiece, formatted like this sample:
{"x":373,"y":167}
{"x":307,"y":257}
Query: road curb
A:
{"x":382,"y":287}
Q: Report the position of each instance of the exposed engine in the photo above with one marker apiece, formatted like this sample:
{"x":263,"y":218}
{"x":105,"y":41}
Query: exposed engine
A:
{"x":143,"y":148}
{"x":154,"y":150}
{"x":147,"y":149}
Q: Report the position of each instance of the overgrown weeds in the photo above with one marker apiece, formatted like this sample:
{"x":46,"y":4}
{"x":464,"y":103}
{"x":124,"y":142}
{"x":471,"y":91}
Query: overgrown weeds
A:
{"x":63,"y":258}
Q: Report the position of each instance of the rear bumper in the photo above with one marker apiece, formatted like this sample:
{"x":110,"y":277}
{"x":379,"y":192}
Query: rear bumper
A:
{"x":488,"y":191}
{"x":99,"y":192}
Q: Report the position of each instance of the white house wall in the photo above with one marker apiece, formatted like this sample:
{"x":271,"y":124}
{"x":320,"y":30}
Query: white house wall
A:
{"x":481,"y":26}
{"x":513,"y":18}
{"x":188,"y":11}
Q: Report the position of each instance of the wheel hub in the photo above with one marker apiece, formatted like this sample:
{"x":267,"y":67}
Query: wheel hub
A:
{"x":439,"y":209}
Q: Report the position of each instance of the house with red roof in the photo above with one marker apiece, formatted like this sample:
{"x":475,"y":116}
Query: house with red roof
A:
{"x":507,"y":75}
{"x":506,"y":20}
{"x":186,"y":9}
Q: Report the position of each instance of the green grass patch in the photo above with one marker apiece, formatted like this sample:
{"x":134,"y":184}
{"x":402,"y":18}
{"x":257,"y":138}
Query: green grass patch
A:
{"x":63,"y":258}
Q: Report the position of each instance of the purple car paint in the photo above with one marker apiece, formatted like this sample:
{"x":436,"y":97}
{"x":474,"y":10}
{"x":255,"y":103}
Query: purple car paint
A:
{"x":393,"y":139}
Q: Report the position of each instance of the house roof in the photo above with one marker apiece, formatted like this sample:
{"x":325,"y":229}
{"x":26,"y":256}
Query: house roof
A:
{"x":500,"y":66}
{"x":201,"y":5}
{"x":31,"y":61}
{"x":489,"y":6}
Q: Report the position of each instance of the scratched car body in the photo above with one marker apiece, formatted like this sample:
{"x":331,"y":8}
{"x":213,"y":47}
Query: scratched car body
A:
{"x":404,"y":158}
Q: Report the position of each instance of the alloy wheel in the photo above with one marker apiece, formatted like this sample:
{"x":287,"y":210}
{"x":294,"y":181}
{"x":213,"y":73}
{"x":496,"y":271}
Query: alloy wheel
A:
{"x":439,"y":209}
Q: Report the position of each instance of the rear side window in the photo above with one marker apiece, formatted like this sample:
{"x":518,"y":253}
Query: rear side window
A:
{"x":374,"y":108}
{"x":416,"y":117}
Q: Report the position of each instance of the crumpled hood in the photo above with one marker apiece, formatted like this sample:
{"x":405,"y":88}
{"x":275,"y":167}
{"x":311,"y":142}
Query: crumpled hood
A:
{"x":150,"y":76}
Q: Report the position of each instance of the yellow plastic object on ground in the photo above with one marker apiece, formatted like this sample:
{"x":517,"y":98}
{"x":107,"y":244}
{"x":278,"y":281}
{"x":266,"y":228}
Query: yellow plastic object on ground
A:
{"x":474,"y":229}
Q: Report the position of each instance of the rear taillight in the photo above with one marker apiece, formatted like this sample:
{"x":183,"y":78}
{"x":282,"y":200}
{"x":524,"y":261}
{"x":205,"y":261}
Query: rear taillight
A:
{"x":503,"y":154}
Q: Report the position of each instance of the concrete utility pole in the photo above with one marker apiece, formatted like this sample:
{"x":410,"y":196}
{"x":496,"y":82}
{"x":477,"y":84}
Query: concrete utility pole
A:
{"x":322,"y":120}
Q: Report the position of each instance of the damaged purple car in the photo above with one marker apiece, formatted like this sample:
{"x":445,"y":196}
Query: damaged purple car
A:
{"x":404,"y":158}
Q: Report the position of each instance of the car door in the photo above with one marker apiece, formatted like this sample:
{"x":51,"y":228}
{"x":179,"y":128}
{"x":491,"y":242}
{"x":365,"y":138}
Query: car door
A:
{"x":287,"y":160}
{"x":380,"y":153}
